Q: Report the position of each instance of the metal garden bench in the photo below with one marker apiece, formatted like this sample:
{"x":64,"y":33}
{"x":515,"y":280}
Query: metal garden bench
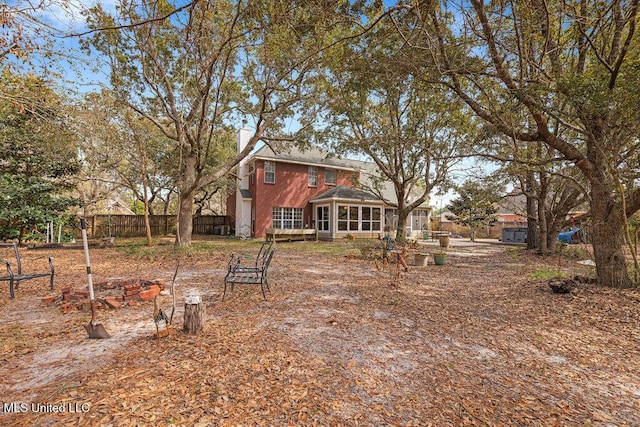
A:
{"x":256,"y":274}
{"x":15,"y":277}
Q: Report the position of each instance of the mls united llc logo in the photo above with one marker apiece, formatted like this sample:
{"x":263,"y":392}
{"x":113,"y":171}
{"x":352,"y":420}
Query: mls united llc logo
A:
{"x":21,"y":407}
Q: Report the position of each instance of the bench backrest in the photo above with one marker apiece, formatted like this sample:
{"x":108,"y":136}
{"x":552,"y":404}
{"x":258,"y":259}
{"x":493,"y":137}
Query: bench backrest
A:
{"x":267,"y":261}
{"x":263,"y":253}
{"x":16,"y":254}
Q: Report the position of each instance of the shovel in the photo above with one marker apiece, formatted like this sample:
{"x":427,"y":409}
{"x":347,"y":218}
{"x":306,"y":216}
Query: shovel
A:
{"x":95,"y":330}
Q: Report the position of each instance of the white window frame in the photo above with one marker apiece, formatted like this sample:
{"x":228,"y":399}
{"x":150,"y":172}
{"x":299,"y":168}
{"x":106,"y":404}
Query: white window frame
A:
{"x":373,"y":223}
{"x":355,"y":221}
{"x":269,"y":172}
{"x":287,"y":218}
{"x":334,"y":180}
{"x":312,"y":179}
{"x":323,"y":218}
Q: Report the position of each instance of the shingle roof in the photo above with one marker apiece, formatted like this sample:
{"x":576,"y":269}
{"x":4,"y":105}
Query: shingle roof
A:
{"x":311,"y":155}
{"x":289,"y":152}
{"x":343,"y":192}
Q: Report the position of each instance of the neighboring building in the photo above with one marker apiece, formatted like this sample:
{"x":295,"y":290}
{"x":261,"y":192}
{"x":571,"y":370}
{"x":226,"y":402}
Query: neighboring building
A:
{"x":299,"y":192}
{"x":510,"y":214}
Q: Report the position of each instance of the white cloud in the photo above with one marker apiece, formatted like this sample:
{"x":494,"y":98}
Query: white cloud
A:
{"x":66,"y":15}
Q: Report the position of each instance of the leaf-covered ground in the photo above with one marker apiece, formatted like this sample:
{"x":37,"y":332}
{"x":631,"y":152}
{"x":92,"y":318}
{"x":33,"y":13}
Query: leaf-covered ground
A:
{"x":340,"y":341}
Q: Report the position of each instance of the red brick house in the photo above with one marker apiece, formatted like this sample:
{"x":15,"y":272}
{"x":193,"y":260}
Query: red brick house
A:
{"x":305,"y":193}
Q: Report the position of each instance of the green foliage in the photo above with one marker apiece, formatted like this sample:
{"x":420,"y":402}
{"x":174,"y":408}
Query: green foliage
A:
{"x":38,"y":163}
{"x":196,"y":73}
{"x":514,"y":252}
{"x":475,"y":204}
{"x":138,"y":207}
{"x":121,"y":150}
{"x":546,"y":273}
{"x":372,"y":104}
{"x":564,"y":76}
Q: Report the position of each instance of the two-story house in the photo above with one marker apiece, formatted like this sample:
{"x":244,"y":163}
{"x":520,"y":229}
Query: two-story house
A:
{"x":307,"y":192}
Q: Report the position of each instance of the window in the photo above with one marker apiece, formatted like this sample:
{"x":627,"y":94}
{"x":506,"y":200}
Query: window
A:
{"x":370,"y":219}
{"x":359,"y":218}
{"x":287,"y":217}
{"x":330,"y":176}
{"x":322,"y":218}
{"x":313,"y":176}
{"x":353,"y":218}
{"x":343,"y":217}
{"x":269,"y":172}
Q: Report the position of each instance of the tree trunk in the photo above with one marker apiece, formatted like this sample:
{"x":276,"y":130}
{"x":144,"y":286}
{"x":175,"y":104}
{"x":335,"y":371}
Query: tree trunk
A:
{"x":186,"y":196}
{"x":543,"y":227}
{"x":543,"y":242}
{"x":165,"y":212}
{"x":401,"y":232}
{"x":533,"y":237}
{"x":185,"y":219}
{"x":608,"y":242}
{"x":195,"y":316}
{"x":551,"y":237}
{"x":147,"y":225}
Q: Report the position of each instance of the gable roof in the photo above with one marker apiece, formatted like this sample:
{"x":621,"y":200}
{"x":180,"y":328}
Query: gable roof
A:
{"x":291,"y":153}
{"x":342,"y":192}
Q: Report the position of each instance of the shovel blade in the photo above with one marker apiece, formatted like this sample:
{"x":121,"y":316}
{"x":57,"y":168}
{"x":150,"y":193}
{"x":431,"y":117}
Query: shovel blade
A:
{"x":96,"y":331}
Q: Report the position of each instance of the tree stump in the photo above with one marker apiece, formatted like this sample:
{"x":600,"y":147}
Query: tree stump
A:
{"x":195,"y":315}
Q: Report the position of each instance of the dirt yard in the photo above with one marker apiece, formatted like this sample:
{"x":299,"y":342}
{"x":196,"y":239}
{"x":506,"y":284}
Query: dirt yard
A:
{"x":341,"y":340}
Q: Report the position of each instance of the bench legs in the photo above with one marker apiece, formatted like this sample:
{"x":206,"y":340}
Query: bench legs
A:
{"x":13,"y":285}
{"x":15,"y":282}
{"x":262,"y":289}
{"x":52,"y":273}
{"x":15,"y":279}
{"x":262,"y":285}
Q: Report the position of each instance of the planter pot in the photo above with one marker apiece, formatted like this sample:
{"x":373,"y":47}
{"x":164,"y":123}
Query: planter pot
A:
{"x":439,"y":259}
{"x":444,"y":241}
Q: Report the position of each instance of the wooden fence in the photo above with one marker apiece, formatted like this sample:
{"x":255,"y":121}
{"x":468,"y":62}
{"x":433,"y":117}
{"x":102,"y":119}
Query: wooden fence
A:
{"x":101,"y":226}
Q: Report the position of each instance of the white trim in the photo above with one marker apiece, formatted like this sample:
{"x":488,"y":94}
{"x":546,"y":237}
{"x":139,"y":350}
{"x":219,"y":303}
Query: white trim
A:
{"x":348,"y":200}
{"x":317,"y":220}
{"x":360,"y":220}
{"x":312,"y":172}
{"x":264,"y":172}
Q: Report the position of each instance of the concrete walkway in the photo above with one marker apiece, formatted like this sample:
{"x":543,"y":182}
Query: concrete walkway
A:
{"x":465,"y":247}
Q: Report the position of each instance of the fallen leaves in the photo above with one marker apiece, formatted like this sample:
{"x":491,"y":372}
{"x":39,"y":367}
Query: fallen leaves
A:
{"x":469,"y":343}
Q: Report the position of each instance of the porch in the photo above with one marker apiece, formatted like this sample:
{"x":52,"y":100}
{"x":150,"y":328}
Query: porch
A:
{"x":291,"y":234}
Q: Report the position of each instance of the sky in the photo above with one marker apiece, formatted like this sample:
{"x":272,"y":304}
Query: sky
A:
{"x":55,"y":22}
{"x":64,"y":18}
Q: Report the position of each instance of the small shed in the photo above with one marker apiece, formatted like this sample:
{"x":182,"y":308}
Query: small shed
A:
{"x":514,"y":234}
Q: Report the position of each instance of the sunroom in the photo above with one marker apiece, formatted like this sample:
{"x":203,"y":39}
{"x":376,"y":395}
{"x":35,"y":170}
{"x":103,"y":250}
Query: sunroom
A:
{"x":346,"y":211}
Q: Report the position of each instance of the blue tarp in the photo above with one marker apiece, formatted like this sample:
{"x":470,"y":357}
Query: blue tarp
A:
{"x":568,"y":236}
